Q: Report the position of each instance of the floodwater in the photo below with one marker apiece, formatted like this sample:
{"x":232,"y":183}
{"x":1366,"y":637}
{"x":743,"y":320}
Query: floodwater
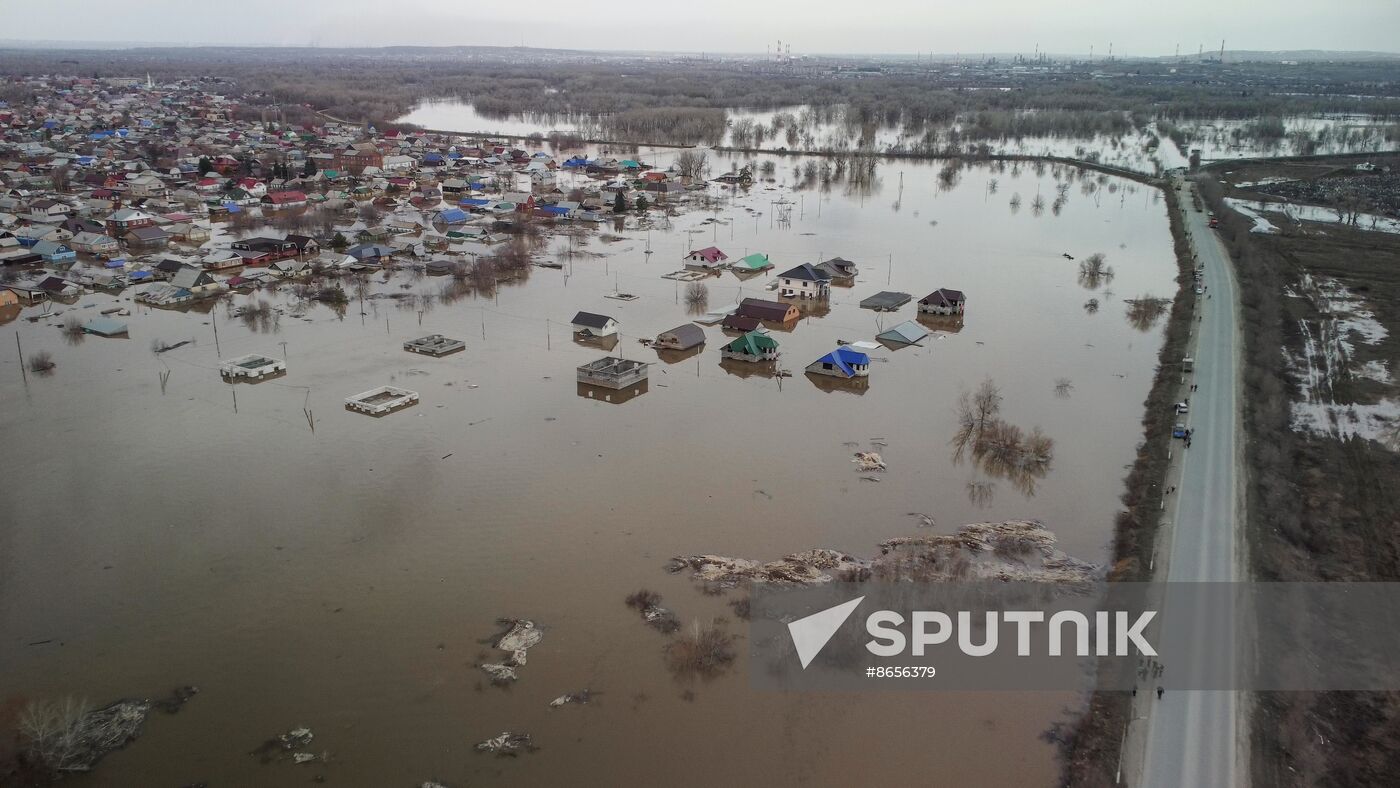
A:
{"x":345,"y":578}
{"x":462,"y":116}
{"x":1140,"y":150}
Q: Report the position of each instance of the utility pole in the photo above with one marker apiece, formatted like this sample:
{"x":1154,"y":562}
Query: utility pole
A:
{"x":20,"y":348}
{"x":214,"y":321}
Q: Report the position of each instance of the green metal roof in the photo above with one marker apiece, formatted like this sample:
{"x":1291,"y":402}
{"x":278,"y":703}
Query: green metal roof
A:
{"x":752,"y":343}
{"x":755,"y":261}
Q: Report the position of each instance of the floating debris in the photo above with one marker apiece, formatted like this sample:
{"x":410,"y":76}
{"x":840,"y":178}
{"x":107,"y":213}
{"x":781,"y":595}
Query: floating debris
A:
{"x":581,"y":697}
{"x":520,"y":636}
{"x":1014,"y":550}
{"x":648,"y":603}
{"x":925,"y":521}
{"x":868,"y":461}
{"x":508,"y":744}
{"x":280,"y":745}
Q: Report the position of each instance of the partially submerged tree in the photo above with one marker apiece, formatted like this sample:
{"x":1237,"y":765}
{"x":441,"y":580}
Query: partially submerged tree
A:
{"x":41,"y":362}
{"x":1094,"y":272}
{"x":697,"y":295}
{"x":693,"y":164}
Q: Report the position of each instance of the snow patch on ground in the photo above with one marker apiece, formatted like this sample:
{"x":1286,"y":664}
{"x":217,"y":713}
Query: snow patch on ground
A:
{"x":1378,"y":371}
{"x":1264,"y":182}
{"x":1314,"y":213}
{"x":1261,"y":225}
{"x":1327,"y":352}
{"x":1378,"y":422}
{"x":1297,"y":214}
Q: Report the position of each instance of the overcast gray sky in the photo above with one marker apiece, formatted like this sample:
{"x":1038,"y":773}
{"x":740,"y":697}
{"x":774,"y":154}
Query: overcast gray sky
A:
{"x":1135,"y":27}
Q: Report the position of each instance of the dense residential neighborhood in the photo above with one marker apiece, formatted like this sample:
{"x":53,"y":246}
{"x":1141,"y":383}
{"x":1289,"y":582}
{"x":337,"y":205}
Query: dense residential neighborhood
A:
{"x":123,"y":175}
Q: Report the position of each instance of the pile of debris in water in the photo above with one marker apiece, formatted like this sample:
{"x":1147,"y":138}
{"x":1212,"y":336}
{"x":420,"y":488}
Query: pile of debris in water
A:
{"x":67,"y":742}
{"x":508,"y":744}
{"x":1014,"y":550}
{"x":520,"y":636}
{"x":582,"y":697}
{"x":868,"y":461}
{"x":648,"y":603}
{"x":290,"y":746}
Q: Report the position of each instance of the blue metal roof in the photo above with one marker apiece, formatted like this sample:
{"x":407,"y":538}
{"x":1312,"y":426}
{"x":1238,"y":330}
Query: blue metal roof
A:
{"x":843,"y":358}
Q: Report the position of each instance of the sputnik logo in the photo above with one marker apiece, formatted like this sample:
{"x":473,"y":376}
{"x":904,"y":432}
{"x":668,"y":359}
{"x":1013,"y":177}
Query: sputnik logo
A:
{"x":811,"y":633}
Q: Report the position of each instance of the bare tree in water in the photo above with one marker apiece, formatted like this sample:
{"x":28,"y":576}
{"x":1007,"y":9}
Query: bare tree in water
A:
{"x":693,"y":164}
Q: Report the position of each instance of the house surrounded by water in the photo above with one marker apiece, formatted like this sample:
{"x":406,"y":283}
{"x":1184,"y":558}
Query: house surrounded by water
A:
{"x":771,"y":311}
{"x":753,"y":346}
{"x":943,"y":302}
{"x":594,"y":325}
{"x":804,"y":281}
{"x":843,"y":362}
{"x":708,"y":259}
{"x":681,"y":337}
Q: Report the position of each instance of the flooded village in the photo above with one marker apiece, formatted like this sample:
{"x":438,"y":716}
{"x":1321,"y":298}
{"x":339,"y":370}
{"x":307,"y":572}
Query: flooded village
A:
{"x":409,"y":451}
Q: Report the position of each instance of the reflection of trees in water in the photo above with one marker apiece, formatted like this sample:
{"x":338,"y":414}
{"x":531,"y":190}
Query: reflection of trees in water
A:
{"x":697,"y":297}
{"x":73,"y":333}
{"x":454,"y":291}
{"x":1145,"y":311}
{"x":1015,"y":202}
{"x":999,"y":449}
{"x":1094,"y":272}
{"x":980,"y":492}
{"x":1038,"y":205}
{"x":1091,"y":306}
{"x":1063,"y":387}
{"x":259,"y":317}
{"x":949,"y":175}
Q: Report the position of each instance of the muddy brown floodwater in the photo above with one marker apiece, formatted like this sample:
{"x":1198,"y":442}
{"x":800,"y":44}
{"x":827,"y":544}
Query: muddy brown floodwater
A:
{"x":344,"y":579}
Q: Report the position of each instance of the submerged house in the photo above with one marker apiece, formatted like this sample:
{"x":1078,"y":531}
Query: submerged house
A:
{"x":53,"y":252}
{"x":886,"y":301}
{"x":708,"y":259}
{"x":594,"y":325}
{"x":804,"y":281}
{"x":612,"y":372}
{"x":840,"y":270}
{"x":772,"y":311}
{"x":843,"y":362}
{"x":681,"y":337}
{"x":194,"y":279}
{"x":737,"y":322}
{"x":906,"y":333}
{"x":752,"y":264}
{"x":94,"y":243}
{"x":752,"y":346}
{"x":104,"y":327}
{"x":943,"y":302}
